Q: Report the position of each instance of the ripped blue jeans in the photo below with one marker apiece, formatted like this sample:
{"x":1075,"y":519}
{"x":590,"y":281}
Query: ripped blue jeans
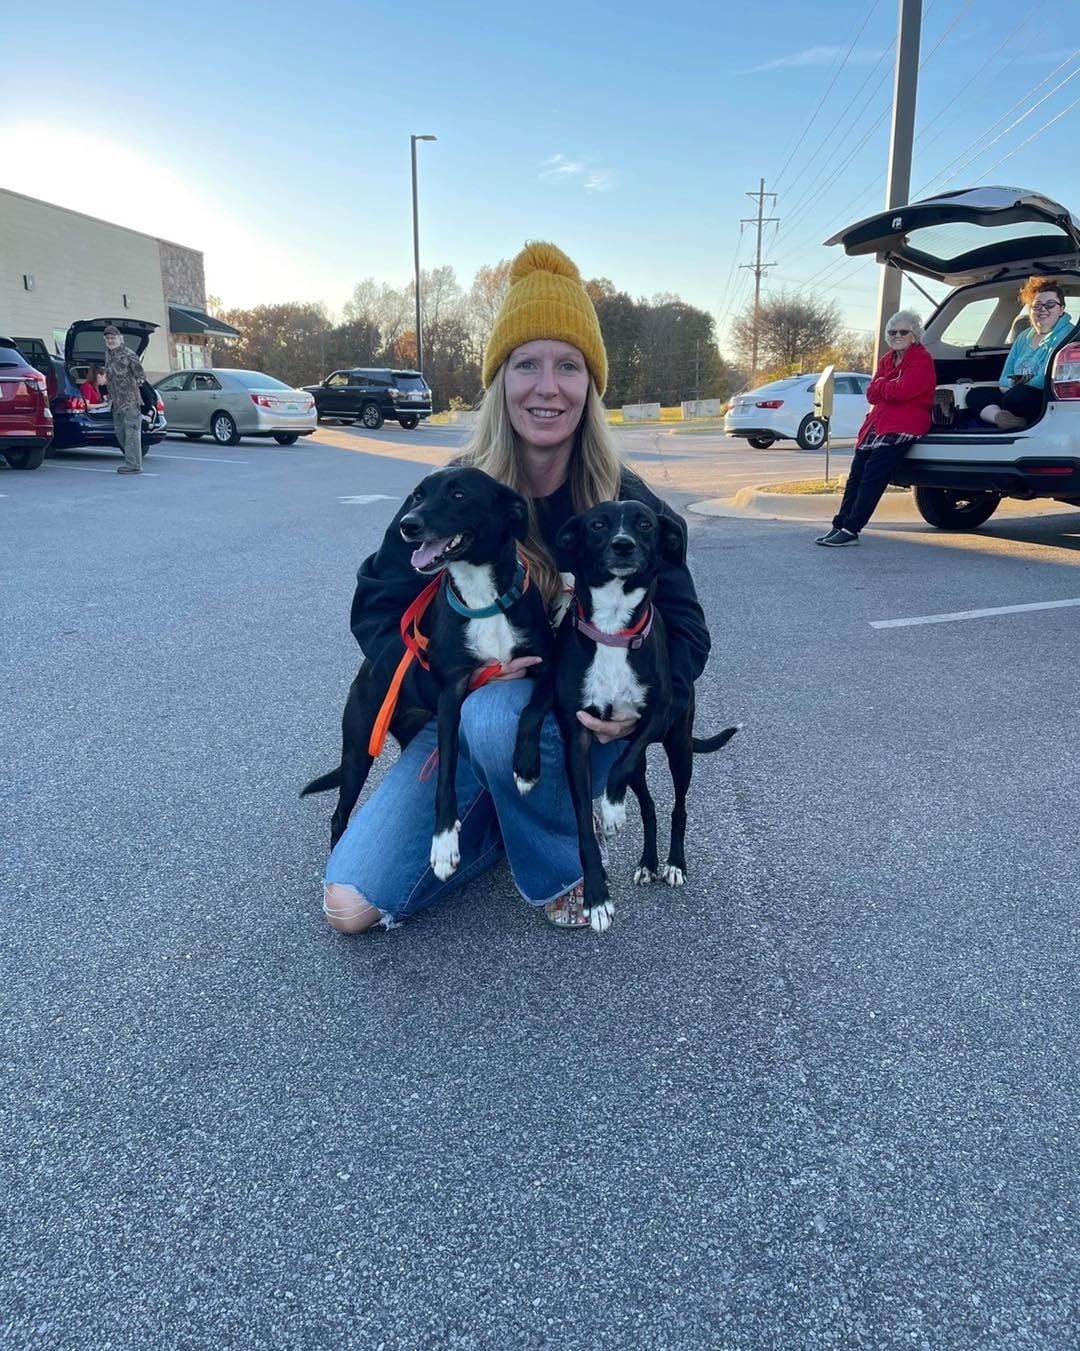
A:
{"x":385,"y":851}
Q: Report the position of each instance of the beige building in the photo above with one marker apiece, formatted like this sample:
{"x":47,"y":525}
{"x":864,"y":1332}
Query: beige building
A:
{"x":57,"y":266}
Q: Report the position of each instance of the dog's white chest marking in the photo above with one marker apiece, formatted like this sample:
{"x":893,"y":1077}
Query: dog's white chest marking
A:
{"x":610,"y":680}
{"x":489,"y":640}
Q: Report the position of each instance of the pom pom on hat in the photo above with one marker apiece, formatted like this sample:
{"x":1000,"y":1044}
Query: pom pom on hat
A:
{"x":546,"y":300}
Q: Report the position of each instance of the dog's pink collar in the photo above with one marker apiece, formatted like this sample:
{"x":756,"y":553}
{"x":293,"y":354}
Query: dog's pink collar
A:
{"x":632,"y":638}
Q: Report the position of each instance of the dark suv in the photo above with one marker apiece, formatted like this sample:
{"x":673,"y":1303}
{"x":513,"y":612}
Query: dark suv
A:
{"x":371,"y":396}
{"x":77,"y":425}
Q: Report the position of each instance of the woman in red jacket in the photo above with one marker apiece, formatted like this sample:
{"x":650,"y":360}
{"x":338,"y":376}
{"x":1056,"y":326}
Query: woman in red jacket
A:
{"x":901,"y":396}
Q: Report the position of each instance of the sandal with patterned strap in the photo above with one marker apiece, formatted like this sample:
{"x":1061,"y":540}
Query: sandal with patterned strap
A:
{"x":568,"y":912}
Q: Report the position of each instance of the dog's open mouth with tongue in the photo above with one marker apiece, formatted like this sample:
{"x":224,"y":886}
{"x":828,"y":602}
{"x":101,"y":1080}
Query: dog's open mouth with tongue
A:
{"x":436,"y":553}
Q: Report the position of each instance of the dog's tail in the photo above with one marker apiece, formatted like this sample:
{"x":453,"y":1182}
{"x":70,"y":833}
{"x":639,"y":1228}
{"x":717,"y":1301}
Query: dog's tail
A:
{"x":704,"y":745}
{"x":323,"y":783}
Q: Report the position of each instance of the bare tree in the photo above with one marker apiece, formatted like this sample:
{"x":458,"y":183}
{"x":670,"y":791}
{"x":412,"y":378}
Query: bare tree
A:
{"x":792,"y":330}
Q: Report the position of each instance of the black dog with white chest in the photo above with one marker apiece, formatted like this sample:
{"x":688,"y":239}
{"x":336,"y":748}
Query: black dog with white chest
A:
{"x":612,"y":661}
{"x":465,"y":525}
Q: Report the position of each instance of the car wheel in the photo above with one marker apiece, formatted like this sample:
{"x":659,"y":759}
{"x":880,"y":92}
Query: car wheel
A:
{"x":953,"y":509}
{"x":761,"y":442}
{"x":286,"y":438}
{"x":194,"y":436}
{"x":409,"y":423}
{"x":223,"y":429}
{"x":812,"y":432}
{"x":371,"y":416}
{"x":26,"y":459}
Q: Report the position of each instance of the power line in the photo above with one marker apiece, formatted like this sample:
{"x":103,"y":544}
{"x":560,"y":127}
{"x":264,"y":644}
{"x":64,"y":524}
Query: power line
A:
{"x":828,"y":91}
{"x":1007,"y":113}
{"x":1013,"y":125}
{"x":1034,"y":134}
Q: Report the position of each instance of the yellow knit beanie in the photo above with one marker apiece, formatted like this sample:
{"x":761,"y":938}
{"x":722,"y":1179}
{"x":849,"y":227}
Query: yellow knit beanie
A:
{"x":546,"y":300}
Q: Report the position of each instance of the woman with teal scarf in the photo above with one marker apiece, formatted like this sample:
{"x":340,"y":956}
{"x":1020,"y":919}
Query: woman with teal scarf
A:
{"x":1018,"y":401}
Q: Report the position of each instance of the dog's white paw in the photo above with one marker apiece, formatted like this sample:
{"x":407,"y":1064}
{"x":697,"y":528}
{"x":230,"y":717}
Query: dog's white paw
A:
{"x":600,"y":917}
{"x":644,"y":877}
{"x":674,"y":877}
{"x":612,"y":816}
{"x":525,"y":785}
{"x":445,"y":855}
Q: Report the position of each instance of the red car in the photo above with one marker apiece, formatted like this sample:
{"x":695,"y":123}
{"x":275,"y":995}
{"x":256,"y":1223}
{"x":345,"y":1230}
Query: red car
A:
{"x":26,"y":422}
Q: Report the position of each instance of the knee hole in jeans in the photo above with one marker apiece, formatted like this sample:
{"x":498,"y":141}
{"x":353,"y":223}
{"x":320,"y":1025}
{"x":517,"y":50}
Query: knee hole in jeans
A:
{"x":347,"y":910}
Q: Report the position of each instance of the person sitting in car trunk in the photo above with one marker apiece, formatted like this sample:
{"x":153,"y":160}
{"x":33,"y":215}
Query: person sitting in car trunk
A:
{"x":90,"y":388}
{"x":1018,"y":400}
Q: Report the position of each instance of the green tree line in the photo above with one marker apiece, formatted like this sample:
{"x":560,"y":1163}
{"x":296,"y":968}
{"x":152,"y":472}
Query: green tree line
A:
{"x":658,"y":350}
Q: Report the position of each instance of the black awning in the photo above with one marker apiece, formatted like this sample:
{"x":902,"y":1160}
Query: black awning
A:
{"x":185,"y":319}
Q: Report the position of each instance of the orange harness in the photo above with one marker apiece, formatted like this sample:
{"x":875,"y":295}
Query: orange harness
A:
{"x":416,"y":645}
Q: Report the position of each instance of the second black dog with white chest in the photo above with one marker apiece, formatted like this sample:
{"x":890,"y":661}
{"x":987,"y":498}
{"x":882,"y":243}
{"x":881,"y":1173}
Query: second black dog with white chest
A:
{"x":612,"y":661}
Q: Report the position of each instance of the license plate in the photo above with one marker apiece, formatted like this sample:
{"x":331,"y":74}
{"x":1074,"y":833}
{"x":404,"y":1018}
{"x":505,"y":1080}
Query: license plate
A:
{"x":292,"y":408}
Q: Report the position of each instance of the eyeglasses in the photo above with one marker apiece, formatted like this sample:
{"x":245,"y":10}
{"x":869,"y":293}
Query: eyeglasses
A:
{"x":898,"y":332}
{"x":1045,"y":309}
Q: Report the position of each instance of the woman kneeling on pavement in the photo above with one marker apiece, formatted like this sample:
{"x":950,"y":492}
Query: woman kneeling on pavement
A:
{"x":1018,"y":400}
{"x":901,"y":397}
{"x":542,"y":431}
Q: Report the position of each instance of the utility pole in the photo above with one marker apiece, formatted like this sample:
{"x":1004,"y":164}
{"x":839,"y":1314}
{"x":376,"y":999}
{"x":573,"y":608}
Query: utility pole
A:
{"x":757,"y":266}
{"x":898,"y":186}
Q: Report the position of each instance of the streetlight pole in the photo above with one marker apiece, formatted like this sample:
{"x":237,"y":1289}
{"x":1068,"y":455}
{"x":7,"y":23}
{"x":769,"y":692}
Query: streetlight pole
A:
{"x":416,"y":250}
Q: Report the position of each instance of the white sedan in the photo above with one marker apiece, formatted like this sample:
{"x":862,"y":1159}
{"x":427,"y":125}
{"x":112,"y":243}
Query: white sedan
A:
{"x":784,"y":411}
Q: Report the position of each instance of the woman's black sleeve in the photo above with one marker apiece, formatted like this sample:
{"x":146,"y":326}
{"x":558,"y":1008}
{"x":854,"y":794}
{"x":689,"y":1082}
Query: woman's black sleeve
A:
{"x":386,"y":585}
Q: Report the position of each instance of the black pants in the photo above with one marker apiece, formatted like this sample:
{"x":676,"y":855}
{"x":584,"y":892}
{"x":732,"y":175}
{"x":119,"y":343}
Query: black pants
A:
{"x":871,"y":469}
{"x":1022,"y":400}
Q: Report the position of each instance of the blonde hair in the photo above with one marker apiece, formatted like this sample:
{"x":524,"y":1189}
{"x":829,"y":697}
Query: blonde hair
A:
{"x":595,"y":469}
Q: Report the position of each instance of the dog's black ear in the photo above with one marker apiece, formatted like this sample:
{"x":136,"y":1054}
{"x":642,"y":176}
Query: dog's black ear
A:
{"x":672,"y":540}
{"x":567,"y":543}
{"x":516,"y":510}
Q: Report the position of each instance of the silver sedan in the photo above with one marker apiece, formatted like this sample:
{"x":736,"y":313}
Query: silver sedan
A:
{"x":228,"y":404}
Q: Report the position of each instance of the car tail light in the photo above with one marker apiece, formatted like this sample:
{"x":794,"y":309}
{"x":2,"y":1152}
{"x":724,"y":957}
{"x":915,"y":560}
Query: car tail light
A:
{"x":1048,"y":468}
{"x":394,"y":393}
{"x":769,"y":403}
{"x":309,"y":405}
{"x":75,"y":405}
{"x":160,"y":406}
{"x":1066,"y":376}
{"x":262,"y":401}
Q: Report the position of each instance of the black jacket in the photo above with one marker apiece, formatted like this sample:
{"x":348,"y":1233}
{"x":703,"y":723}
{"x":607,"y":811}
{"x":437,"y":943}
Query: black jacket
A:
{"x":386,"y":584}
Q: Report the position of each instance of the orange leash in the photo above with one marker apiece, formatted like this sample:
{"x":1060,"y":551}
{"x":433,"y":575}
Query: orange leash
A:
{"x":415,"y":647}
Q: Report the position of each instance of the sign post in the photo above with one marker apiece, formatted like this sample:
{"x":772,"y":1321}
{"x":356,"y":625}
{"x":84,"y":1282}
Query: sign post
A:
{"x":823,"y":401}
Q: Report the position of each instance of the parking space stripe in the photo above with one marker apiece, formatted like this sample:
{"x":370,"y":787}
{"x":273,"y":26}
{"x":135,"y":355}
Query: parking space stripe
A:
{"x":973,"y":614}
{"x":92,"y":469}
{"x":206,"y":459}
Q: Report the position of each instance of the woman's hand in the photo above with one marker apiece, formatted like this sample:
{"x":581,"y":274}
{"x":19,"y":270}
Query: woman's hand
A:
{"x":611,"y":730}
{"x":513,"y":669}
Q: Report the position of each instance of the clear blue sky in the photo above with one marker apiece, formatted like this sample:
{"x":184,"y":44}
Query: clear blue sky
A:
{"x":275,"y":137}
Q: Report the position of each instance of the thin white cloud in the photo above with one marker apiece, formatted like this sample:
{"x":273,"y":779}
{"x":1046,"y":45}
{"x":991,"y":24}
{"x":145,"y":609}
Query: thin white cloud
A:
{"x":560,"y":168}
{"x":820,"y":56}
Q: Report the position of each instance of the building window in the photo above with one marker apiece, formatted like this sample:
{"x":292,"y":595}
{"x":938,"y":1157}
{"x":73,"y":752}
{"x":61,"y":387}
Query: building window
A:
{"x":189,"y":355}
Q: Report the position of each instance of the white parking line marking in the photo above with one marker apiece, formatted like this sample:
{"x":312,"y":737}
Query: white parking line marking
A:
{"x":90,"y":469}
{"x":206,"y":459}
{"x":362,"y":499}
{"x":972,"y":614}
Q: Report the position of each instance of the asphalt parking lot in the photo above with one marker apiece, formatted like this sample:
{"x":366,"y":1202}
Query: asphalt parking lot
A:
{"x":824,"y":1097}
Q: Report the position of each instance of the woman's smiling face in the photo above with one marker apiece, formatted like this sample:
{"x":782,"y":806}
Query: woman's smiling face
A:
{"x":547,"y":385}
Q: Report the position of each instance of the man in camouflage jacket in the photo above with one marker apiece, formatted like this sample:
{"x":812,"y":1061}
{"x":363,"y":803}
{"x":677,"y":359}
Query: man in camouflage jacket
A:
{"x":123,"y":375}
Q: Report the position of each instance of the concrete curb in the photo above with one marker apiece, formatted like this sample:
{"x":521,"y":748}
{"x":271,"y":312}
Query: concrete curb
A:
{"x":895,"y":508}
